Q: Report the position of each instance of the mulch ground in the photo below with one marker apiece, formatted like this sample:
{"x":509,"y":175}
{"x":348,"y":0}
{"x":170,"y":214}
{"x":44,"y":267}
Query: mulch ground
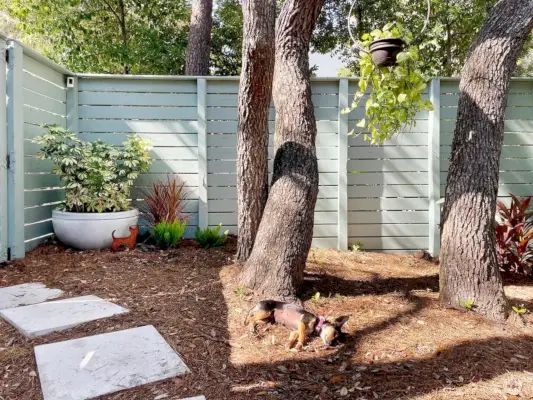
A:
{"x":401,"y":343}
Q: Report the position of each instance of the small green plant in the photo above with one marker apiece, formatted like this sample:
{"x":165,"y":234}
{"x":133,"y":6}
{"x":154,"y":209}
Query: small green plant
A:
{"x":316,"y":296}
{"x":395,"y":92}
{"x":164,"y":201}
{"x":520,"y":309}
{"x":240,"y":291}
{"x":208,"y":237}
{"x":97,"y":176}
{"x":166,"y":235}
{"x":339,"y":296}
{"x":357,"y":247}
{"x":468,"y":304}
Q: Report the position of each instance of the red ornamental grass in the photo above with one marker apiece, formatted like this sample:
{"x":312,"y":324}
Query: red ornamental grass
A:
{"x":514,"y":236}
{"x":165,"y":202}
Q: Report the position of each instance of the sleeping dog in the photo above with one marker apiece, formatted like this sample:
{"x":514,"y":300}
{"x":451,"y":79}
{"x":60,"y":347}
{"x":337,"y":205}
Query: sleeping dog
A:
{"x":302,"y":323}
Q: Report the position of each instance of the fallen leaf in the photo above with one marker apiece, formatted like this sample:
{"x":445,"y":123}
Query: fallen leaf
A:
{"x":213,"y":333}
{"x":282,"y":368}
{"x":336,"y":379}
{"x":32,"y":373}
{"x":343,"y":391}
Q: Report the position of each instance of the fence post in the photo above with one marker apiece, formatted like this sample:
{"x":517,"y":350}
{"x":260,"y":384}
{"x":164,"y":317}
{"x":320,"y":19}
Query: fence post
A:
{"x":434,"y":168}
{"x":342,"y":233}
{"x":203,"y":209}
{"x":72,"y":104}
{"x":15,"y":149}
{"x":3,"y":156}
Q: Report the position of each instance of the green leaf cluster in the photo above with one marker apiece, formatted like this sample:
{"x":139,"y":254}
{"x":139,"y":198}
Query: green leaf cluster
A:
{"x":106,"y":36}
{"x":166,"y":235}
{"x":97,"y":176}
{"x":393,"y":94}
{"x":211,"y":237}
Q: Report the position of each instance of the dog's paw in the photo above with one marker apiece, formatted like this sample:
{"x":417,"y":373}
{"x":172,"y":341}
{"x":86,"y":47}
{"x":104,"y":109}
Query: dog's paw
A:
{"x":299,"y":347}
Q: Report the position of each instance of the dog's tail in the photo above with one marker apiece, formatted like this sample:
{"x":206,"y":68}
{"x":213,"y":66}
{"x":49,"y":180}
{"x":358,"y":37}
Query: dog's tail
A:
{"x":113,"y":234}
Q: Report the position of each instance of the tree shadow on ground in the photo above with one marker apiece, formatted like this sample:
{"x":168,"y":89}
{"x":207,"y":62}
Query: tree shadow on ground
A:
{"x":330,"y":284}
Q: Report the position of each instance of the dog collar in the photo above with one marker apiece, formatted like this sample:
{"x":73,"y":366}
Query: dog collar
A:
{"x":319,"y":324}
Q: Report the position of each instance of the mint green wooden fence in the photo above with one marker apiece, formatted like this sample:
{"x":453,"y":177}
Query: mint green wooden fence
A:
{"x":384,"y":197}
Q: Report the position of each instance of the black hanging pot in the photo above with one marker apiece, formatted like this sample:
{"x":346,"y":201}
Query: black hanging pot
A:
{"x":385,"y":51}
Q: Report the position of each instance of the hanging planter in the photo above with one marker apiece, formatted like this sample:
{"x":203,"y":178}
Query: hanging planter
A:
{"x":385,"y":51}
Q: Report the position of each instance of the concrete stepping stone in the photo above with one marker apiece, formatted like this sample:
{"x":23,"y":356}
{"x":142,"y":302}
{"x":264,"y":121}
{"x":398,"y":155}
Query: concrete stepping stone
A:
{"x":53,"y":316}
{"x":26,"y":294}
{"x":102,"y":364}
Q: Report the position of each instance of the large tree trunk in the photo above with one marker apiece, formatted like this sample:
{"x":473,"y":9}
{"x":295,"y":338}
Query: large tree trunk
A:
{"x":199,"y":44}
{"x":275,"y":267}
{"x":255,"y":93}
{"x":469,"y":268}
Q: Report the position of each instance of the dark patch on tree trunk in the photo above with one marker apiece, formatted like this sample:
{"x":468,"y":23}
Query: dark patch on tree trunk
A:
{"x":469,"y":268}
{"x":255,"y":94}
{"x":275,"y":267}
{"x":199,"y":44}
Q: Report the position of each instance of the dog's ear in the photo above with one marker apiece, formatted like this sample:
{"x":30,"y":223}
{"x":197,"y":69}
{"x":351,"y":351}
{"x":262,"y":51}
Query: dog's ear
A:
{"x":340,"y":321}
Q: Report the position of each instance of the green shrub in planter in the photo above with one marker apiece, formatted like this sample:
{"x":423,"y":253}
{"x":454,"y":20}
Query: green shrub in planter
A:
{"x":97,"y":176}
{"x":394,"y":92}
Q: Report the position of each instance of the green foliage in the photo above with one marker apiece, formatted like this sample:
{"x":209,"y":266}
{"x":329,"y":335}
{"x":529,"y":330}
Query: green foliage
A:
{"x":514,"y":236}
{"x":240,"y":292}
{"x":226,"y":39}
{"x":316,"y":296}
{"x":97,"y":176}
{"x":106,"y":36}
{"x":165,"y":202}
{"x":395,"y":92}
{"x":208,"y":237}
{"x":452,"y":28}
{"x":166,"y":235}
{"x":468,"y":304}
{"x":356,"y":247}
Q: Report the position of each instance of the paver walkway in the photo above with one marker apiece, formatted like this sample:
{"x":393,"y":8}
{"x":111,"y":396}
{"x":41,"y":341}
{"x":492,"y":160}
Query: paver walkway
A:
{"x":84,"y":368}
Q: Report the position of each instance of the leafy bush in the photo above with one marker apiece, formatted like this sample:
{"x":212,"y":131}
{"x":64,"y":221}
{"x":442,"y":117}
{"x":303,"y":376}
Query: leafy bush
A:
{"x":97,"y":176}
{"x":165,"y":202}
{"x":395,"y":92}
{"x":208,"y":237}
{"x":514,"y":236}
{"x":166,"y":235}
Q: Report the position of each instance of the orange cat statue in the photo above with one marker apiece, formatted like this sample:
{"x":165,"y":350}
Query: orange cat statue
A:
{"x":125,"y":241}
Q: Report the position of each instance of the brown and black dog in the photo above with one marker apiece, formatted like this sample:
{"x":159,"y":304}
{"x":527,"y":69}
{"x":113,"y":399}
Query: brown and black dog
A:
{"x":302,"y":323}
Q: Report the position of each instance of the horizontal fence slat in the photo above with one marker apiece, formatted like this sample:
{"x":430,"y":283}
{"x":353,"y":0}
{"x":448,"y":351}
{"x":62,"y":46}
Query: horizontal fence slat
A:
{"x":387,"y":230}
{"x":37,"y":85}
{"x":138,"y":85}
{"x":388,"y":217}
{"x":136,"y":99}
{"x":42,"y":71}
{"x":38,"y":197}
{"x":36,"y":230}
{"x":387,"y":178}
{"x":44,"y":103}
{"x":391,"y":243}
{"x":392,"y":204}
{"x":387,"y":191}
{"x":34,"y":116}
{"x":39,"y":213}
{"x":138,"y":113}
{"x":123,"y":126}
{"x":400,"y":165}
{"x":157,"y":139}
{"x":230,"y":153}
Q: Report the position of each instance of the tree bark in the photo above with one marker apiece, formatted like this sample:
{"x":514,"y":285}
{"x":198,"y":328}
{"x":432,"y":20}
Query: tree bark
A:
{"x":199,"y":44}
{"x":469,"y":268}
{"x":255,"y":94}
{"x":275,"y":267}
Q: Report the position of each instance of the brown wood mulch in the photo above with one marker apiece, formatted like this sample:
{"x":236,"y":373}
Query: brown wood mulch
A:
{"x":401,"y":343}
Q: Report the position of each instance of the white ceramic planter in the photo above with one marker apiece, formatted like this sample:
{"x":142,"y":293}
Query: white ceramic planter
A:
{"x":92,"y":230}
